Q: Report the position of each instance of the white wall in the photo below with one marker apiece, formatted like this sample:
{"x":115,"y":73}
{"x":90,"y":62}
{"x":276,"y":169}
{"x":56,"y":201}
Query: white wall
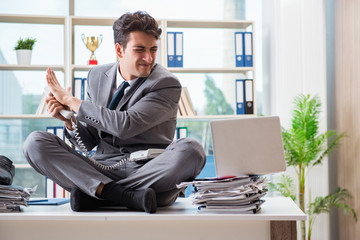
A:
{"x":294,"y":48}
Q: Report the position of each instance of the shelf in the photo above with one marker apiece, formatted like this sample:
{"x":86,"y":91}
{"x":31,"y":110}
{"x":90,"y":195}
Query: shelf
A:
{"x":37,"y":19}
{"x":96,"y":21}
{"x":202,"y":117}
{"x":17,"y":67}
{"x":81,"y":67}
{"x":210,"y":70}
{"x":25,"y":116}
{"x":183,"y":70}
{"x":215,"y":117}
{"x":208,"y":24}
{"x":99,"y":21}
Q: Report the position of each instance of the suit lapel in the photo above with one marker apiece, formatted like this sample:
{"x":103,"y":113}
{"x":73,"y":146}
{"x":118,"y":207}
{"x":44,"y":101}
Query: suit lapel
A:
{"x":131,"y":92}
{"x":133,"y":89}
{"x":106,"y":84}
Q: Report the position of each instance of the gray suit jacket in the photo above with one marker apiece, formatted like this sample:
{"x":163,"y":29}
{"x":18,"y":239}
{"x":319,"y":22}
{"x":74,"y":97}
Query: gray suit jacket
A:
{"x":145,"y":117}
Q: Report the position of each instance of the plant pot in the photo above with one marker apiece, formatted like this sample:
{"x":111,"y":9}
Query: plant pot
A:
{"x":23,"y":56}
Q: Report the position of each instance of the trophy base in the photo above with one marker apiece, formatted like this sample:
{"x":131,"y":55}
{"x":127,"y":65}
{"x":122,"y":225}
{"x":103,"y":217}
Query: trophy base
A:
{"x":92,"y":62}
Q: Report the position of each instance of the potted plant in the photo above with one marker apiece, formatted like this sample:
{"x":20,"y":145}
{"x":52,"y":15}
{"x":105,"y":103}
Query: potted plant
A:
{"x":23,"y":50}
{"x":305,"y":147}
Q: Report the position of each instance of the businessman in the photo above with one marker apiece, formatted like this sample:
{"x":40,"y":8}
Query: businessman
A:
{"x":144,"y":117}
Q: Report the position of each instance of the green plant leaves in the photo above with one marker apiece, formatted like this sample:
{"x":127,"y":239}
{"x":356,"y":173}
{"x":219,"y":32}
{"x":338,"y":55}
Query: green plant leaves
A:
{"x":28,"y":43}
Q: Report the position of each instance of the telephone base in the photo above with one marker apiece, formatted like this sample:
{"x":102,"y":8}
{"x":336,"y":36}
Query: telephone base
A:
{"x":144,"y":155}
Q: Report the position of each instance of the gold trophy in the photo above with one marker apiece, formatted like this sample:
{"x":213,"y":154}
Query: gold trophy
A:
{"x":92,"y":43}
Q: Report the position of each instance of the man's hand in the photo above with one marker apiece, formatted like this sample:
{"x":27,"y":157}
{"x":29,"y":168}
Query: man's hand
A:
{"x":54,"y":107}
{"x":63,"y":97}
{"x":58,"y":92}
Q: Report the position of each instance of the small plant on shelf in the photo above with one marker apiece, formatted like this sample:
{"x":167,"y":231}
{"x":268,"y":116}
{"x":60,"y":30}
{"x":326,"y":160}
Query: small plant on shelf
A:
{"x":27,"y":43}
{"x":23,"y":50}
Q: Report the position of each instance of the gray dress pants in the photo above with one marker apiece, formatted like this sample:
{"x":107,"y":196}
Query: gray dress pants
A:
{"x":181,"y":161}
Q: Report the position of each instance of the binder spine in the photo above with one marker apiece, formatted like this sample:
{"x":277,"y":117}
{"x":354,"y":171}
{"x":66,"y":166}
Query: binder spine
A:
{"x":248,"y":60}
{"x":171,"y":49}
{"x":178,"y":49}
{"x":239,"y":47}
{"x":240,"y":98}
{"x":249,"y":96}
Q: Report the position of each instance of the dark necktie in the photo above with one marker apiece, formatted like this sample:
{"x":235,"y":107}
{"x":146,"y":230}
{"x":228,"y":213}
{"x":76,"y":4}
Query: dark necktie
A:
{"x":118,"y":95}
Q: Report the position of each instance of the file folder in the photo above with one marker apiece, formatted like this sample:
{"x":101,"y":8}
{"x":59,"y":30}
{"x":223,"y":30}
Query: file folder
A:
{"x":240,"y":105}
{"x":181,"y":132}
{"x":78,"y":88}
{"x":59,"y":191}
{"x":49,"y":201}
{"x":49,"y":188}
{"x":249,"y":96}
{"x":51,"y":130}
{"x":83,"y":89}
{"x":59,"y":131}
{"x":171,"y":49}
{"x":239,"y":47}
{"x":178,"y":49}
{"x":248,"y":49}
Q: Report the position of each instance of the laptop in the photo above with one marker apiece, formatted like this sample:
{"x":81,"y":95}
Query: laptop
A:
{"x":247,"y":146}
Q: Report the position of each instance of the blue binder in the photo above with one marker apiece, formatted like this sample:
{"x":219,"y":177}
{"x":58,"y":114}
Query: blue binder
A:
{"x":51,"y":130}
{"x":83,"y":88}
{"x":59,"y":131}
{"x":179,"y":49}
{"x":240,"y":96}
{"x":181,"y":132}
{"x":77,"y":87}
{"x":248,"y":49}
{"x":50,"y":201}
{"x":249,"y":96}
{"x":239,"y":49}
{"x":171,"y":49}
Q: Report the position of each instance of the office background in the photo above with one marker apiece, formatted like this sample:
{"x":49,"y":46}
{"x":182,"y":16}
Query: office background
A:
{"x":301,"y":46}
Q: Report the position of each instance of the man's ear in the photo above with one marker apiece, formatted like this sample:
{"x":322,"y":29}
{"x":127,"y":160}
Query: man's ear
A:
{"x":119,"y":50}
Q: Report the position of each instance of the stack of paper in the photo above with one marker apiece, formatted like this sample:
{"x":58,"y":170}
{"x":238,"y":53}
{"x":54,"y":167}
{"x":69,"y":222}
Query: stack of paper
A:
{"x":12,"y":197}
{"x":228,"y":195}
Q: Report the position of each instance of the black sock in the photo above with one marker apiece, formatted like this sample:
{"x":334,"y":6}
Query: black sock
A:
{"x":80,"y":201}
{"x":143,"y":200}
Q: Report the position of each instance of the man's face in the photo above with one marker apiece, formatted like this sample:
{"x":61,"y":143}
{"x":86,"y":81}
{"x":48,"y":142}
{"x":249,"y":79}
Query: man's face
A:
{"x":138,"y":58}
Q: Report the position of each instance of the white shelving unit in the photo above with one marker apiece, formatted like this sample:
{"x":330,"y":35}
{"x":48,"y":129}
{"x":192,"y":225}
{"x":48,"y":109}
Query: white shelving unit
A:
{"x":36,"y":19}
{"x":165,"y":24}
{"x":69,"y":67}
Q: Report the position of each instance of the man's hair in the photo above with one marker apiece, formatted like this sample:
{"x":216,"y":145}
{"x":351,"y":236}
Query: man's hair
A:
{"x":137,"y":21}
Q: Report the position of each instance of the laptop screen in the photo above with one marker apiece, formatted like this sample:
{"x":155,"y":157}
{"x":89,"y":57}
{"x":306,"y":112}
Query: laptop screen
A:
{"x":247,"y":146}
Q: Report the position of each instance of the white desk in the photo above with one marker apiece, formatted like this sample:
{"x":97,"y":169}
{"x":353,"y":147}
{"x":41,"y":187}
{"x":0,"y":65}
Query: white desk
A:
{"x":276,"y":220}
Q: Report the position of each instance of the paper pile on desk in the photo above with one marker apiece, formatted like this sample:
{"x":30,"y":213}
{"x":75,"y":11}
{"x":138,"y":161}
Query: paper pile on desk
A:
{"x":228,"y":195}
{"x":12,"y":197}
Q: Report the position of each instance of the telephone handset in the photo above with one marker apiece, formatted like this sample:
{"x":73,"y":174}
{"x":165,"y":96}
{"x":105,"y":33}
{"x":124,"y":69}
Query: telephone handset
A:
{"x":65,"y":113}
{"x":140,"y":156}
